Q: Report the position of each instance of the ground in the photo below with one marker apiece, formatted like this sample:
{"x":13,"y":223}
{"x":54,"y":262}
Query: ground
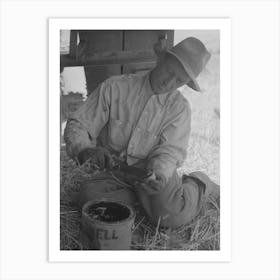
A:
{"x":203,"y":233}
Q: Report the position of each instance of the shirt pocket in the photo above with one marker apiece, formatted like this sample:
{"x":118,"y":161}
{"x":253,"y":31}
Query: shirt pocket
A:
{"x":146,"y":141}
{"x":118,"y":134}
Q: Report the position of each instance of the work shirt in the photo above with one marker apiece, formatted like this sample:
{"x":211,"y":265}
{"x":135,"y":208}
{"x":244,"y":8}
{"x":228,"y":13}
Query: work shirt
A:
{"x":125,"y":116}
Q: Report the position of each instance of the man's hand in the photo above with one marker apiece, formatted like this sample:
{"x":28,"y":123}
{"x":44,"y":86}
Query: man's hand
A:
{"x":97,"y":156}
{"x":152,"y":184}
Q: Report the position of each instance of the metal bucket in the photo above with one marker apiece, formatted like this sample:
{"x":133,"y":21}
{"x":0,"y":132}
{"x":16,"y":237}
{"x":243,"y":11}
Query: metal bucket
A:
{"x":108,"y":224}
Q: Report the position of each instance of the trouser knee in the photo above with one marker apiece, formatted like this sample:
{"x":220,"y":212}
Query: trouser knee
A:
{"x":176,"y":204}
{"x":170,"y":220}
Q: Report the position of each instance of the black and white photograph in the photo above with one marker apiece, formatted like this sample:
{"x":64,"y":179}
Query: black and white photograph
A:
{"x":140,"y":130}
{"x":140,"y":139}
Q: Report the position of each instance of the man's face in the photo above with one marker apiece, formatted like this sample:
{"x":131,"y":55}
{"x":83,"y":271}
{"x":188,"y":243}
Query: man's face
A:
{"x":168,"y":75}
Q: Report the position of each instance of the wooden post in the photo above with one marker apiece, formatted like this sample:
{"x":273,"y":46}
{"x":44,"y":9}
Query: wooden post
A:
{"x":73,"y":44}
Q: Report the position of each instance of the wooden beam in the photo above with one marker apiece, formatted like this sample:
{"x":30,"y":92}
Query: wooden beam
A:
{"x":110,"y":58}
{"x":73,"y":44}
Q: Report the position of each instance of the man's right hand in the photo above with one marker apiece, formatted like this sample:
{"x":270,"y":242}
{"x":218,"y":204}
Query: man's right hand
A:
{"x":97,"y":156}
{"x":152,"y":184}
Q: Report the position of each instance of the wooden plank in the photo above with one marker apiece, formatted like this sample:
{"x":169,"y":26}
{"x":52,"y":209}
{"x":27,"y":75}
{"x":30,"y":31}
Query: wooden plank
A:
{"x":101,"y":40}
{"x":138,"y":67}
{"x":110,"y":58}
{"x":146,"y":39}
{"x":73,"y":44}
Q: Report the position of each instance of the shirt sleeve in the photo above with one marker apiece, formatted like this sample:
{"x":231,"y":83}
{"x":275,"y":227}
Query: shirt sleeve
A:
{"x":171,"y":151}
{"x":85,"y":124}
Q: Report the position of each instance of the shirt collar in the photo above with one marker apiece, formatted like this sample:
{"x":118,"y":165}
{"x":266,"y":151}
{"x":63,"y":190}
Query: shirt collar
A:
{"x":160,"y":97}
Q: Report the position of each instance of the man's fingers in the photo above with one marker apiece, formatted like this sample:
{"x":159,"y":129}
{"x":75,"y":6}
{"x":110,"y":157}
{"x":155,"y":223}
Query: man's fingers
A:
{"x":99,"y":158}
{"x":104,"y":160}
{"x":101,"y":161}
{"x":109,"y":162}
{"x":150,"y":189}
{"x":94,"y":162}
{"x":155,"y":185}
{"x":140,"y":185}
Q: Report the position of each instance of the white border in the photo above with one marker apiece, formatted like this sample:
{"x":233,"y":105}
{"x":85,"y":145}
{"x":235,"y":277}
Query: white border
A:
{"x":55,"y":255}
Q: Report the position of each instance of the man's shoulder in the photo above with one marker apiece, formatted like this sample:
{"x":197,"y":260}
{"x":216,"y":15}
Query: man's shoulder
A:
{"x":179,"y":102}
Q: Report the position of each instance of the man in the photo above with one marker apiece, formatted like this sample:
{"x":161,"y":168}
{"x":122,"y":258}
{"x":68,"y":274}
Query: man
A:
{"x":144,"y":122}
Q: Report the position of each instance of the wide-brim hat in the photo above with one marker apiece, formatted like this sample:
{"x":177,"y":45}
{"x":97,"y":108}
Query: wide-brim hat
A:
{"x":193,"y":56}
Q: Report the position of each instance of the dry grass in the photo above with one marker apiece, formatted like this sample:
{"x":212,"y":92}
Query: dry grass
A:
{"x":203,"y":233}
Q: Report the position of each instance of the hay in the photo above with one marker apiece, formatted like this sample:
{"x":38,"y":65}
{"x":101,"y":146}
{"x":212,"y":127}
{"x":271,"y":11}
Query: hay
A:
{"x":203,"y":233}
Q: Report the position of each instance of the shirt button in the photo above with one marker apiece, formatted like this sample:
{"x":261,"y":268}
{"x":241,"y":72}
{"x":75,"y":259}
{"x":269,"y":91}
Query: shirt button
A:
{"x":138,"y":128}
{"x":145,"y":112}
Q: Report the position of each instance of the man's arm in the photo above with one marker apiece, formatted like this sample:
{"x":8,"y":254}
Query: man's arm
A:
{"x":172,"y":148}
{"x":84,"y":126}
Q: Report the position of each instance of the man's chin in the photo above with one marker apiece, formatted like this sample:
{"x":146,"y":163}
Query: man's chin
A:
{"x":159,"y":90}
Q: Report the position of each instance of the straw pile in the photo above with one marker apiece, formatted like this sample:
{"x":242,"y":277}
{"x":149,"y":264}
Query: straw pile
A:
{"x":202,"y":234}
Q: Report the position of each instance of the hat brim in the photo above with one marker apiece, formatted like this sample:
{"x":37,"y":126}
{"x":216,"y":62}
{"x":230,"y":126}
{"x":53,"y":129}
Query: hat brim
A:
{"x":193,"y":83}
